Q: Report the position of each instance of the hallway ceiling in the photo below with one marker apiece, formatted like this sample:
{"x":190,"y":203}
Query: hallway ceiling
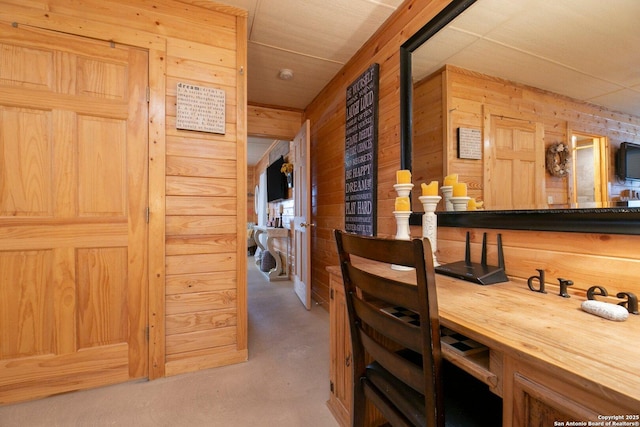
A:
{"x":537,"y":43}
{"x":313,"y":38}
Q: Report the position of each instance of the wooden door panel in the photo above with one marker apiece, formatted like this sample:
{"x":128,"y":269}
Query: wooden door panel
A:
{"x":73,"y":198}
{"x":102,"y":296}
{"x":25,"y":141}
{"x":26,"y":303}
{"x":514,"y":164}
{"x":26,"y":66}
{"x":102,"y":144}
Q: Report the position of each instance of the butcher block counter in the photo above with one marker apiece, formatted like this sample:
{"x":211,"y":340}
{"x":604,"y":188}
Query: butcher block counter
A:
{"x":552,"y":363}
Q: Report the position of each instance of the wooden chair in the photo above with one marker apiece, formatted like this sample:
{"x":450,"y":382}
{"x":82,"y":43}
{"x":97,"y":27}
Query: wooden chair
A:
{"x":397,"y":364}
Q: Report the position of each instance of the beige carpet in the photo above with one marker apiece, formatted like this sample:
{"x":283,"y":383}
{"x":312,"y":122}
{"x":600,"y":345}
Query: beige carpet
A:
{"x":284,"y":383}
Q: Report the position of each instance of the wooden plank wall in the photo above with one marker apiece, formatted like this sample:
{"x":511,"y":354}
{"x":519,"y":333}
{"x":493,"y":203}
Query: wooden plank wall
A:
{"x":586,"y":259}
{"x":327,"y":115}
{"x":428,"y":153}
{"x":197,"y":179}
{"x":467,"y":94}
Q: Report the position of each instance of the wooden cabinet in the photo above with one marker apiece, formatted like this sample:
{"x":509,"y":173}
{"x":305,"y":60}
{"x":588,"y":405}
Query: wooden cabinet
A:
{"x":542,"y":397}
{"x":544,"y":377}
{"x":340,"y":375}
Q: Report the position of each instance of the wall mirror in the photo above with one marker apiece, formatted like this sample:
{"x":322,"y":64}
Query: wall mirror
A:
{"x":564,"y":68}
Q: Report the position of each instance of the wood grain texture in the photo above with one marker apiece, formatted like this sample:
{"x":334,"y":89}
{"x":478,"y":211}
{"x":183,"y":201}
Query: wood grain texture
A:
{"x":546,"y":339}
{"x":194,"y":41}
{"x":327,"y":116}
{"x":601,"y":263}
{"x":467,"y":97}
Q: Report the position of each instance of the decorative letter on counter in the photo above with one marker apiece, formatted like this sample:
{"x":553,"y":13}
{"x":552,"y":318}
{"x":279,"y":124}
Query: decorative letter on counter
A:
{"x":631,"y":304}
{"x":564,"y":283}
{"x":591,"y":292}
{"x":540,"y":279}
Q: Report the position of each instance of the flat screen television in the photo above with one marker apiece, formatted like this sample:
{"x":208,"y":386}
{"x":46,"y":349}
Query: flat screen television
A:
{"x":628,"y":161}
{"x":276,"y":181}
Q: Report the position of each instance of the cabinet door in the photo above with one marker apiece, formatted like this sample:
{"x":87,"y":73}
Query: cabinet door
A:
{"x":340,"y":343}
{"x":543,"y":399}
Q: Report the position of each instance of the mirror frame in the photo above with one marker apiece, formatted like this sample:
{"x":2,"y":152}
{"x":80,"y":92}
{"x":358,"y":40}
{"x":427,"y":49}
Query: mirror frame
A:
{"x":621,"y":220}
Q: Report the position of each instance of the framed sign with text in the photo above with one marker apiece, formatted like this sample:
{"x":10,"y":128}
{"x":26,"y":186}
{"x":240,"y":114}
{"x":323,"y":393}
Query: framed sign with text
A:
{"x":200,"y":108}
{"x":361,"y":153}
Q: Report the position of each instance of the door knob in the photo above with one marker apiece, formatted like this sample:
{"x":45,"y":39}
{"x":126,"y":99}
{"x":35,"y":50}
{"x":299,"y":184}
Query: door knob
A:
{"x":306,"y":224}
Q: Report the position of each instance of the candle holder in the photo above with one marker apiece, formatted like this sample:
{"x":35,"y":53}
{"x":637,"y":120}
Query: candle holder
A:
{"x":460,"y":203}
{"x":430,"y":223}
{"x":402,"y":232}
{"x":403,"y":190}
{"x":447,"y":192}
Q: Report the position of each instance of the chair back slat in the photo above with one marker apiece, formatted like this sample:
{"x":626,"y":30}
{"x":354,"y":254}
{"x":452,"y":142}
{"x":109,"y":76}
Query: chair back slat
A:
{"x":408,"y":372}
{"x":408,"y":353}
{"x":388,"y":251}
{"x":397,"y":293}
{"x":392,"y":328}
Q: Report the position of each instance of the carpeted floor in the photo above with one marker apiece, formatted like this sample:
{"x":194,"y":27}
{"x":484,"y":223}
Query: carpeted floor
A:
{"x":284,"y":383}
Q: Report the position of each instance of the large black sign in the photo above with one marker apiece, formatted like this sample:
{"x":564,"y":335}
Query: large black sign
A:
{"x":360,"y":159}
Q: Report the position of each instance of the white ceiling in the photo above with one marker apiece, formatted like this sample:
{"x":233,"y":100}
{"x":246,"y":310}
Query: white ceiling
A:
{"x":313,"y":38}
{"x":585,"y":49}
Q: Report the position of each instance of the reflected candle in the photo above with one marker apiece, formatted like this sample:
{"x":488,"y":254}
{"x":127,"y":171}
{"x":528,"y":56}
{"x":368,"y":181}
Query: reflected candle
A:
{"x":403,"y":176}
{"x":459,"y":189}
{"x":402,"y":204}
{"x":430,"y":189}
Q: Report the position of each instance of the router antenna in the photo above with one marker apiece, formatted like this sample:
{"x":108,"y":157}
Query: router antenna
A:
{"x":484,"y":249}
{"x":467,"y":252}
{"x":500,"y":253}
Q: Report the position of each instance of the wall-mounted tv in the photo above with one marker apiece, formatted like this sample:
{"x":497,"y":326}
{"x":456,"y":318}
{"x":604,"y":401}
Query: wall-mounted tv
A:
{"x":276,"y":181}
{"x":628,"y":161}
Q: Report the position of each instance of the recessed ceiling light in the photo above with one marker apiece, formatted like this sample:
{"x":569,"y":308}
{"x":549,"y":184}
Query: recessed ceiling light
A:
{"x":285,"y":74}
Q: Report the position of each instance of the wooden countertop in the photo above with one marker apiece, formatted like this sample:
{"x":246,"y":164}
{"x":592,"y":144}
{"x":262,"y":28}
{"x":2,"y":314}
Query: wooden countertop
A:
{"x":541,"y":328}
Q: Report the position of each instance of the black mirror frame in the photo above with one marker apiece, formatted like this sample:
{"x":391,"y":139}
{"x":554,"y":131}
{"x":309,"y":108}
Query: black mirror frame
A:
{"x":621,"y":220}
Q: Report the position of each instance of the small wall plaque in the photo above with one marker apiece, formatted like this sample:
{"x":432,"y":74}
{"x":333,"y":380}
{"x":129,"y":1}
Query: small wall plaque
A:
{"x":200,"y":108}
{"x":469,"y":143}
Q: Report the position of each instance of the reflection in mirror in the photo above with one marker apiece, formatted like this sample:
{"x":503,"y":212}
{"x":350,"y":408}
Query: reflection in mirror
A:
{"x":588,"y":186}
{"x":527,"y":75}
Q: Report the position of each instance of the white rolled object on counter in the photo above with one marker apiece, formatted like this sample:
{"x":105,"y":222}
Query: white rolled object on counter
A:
{"x":606,"y":310}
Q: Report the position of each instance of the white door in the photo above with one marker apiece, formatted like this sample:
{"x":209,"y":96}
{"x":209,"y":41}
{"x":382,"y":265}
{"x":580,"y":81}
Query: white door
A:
{"x":301,"y":219}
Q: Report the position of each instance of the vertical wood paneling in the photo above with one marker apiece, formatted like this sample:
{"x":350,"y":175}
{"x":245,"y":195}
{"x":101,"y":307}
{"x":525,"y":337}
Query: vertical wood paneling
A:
{"x":200,"y":42}
{"x":102,"y":157}
{"x":23,"y":190}
{"x":468,"y":93}
{"x":25,"y":303}
{"x":327,"y":116}
{"x":102,"y":296}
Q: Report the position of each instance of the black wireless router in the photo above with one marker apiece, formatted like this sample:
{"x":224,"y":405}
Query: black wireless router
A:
{"x":482,"y":273}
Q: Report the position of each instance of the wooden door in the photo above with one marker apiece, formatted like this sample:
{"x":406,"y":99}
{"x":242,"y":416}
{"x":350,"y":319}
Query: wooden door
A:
{"x":514,"y":165}
{"x":73,"y":200}
{"x":302,"y":211}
